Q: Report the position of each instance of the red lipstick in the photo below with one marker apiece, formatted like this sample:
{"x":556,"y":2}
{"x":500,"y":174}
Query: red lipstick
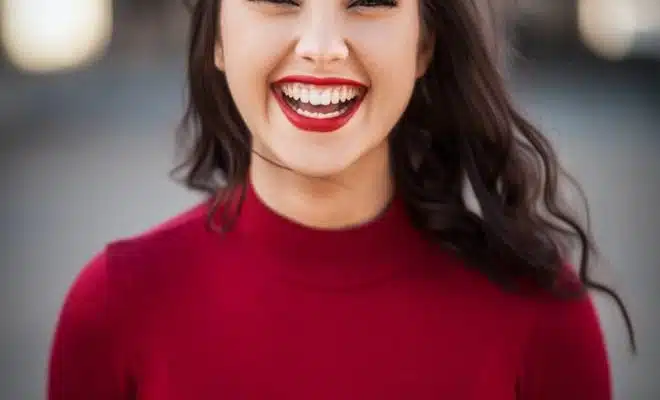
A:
{"x":309,"y":124}
{"x":313,"y":80}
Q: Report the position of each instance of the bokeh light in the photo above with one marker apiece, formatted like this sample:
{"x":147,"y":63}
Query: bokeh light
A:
{"x":53,"y":35}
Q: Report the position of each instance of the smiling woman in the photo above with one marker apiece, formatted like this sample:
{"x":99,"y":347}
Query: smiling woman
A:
{"x":339,"y":256}
{"x":314,"y":43}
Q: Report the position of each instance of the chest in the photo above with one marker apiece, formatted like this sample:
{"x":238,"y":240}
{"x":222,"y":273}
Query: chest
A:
{"x":270,"y":344}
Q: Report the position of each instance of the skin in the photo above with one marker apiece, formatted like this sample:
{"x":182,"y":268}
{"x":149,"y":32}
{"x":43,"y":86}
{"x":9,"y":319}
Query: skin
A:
{"x":331,"y":180}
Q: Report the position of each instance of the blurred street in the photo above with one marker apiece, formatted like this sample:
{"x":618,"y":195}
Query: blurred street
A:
{"x":84,"y":158}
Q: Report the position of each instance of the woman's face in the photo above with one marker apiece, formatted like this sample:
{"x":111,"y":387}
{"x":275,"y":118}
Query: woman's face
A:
{"x":320,"y":83}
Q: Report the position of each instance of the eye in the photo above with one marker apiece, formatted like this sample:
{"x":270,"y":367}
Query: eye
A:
{"x":373,"y":3}
{"x":277,"y":2}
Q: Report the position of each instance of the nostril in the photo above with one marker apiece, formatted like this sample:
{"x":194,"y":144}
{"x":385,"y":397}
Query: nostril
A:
{"x":322,"y":51}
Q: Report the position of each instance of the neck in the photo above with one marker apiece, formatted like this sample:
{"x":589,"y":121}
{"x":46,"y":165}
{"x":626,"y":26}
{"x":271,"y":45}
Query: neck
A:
{"x":354,"y":196}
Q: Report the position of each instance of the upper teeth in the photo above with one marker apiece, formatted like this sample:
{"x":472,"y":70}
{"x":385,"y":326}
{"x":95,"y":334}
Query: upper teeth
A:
{"x":317,"y":95}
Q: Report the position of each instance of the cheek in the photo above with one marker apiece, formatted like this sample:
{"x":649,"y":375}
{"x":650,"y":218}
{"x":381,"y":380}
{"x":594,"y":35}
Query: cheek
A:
{"x":392,"y":71}
{"x":387,"y":51}
{"x":250,"y":57}
{"x":253,"y":40}
{"x":254,"y":48}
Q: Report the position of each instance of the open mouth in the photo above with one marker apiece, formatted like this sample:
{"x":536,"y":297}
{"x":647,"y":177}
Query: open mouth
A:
{"x":320,"y":102}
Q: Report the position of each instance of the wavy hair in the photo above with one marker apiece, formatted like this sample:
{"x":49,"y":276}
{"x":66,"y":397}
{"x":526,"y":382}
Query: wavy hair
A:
{"x":460,"y":129}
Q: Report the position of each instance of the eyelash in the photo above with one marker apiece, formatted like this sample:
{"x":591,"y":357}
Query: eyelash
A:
{"x":373,"y":3}
{"x":352,"y":4}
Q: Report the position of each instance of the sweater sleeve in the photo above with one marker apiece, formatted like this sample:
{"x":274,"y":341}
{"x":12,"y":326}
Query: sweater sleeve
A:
{"x":85,"y":354}
{"x":566,"y":357}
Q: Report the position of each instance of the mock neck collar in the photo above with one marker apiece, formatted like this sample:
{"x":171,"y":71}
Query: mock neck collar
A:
{"x":372,"y":251}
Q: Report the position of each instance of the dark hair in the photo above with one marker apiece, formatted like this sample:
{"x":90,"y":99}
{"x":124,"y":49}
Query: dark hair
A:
{"x":524,"y":230}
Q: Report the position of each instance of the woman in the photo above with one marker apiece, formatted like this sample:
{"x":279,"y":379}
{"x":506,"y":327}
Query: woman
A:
{"x":338,"y":255}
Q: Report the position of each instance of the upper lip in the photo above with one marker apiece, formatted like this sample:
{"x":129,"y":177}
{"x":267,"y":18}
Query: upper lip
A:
{"x":319,"y":81}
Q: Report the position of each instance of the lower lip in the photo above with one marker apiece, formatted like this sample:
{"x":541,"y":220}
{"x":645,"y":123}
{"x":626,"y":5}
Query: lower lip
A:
{"x":325,"y":125}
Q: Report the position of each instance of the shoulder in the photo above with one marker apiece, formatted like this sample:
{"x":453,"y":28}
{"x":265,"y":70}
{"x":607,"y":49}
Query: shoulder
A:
{"x":149,"y":261}
{"x":556,"y":320}
{"x":564,"y":355}
{"x":564,"y":324}
{"x":558,"y":346}
{"x":88,"y":297}
{"x":191,"y":221}
{"x":118,"y":282}
{"x":168,"y":240}
{"x":93,"y":347}
{"x":142,"y":263}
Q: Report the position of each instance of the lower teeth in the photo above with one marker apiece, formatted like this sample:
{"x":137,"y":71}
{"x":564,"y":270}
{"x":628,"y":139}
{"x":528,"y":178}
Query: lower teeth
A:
{"x":309,"y":114}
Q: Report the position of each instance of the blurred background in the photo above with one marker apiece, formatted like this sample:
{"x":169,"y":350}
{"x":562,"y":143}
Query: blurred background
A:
{"x":91,"y":92}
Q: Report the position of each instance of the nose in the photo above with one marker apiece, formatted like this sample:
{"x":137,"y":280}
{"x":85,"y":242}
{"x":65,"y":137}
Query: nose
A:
{"x":321,"y":42}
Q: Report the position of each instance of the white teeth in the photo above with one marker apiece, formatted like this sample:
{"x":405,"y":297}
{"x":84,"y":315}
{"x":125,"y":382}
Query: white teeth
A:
{"x":317,"y":95}
{"x":336,"y":95}
{"x":320,"y":115}
{"x":326,"y":97}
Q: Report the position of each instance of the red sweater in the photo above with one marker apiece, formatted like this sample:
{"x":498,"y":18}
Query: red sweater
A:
{"x":273,"y":310}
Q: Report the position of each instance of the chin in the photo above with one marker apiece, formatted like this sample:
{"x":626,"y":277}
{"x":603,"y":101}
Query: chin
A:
{"x":318,"y":169}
